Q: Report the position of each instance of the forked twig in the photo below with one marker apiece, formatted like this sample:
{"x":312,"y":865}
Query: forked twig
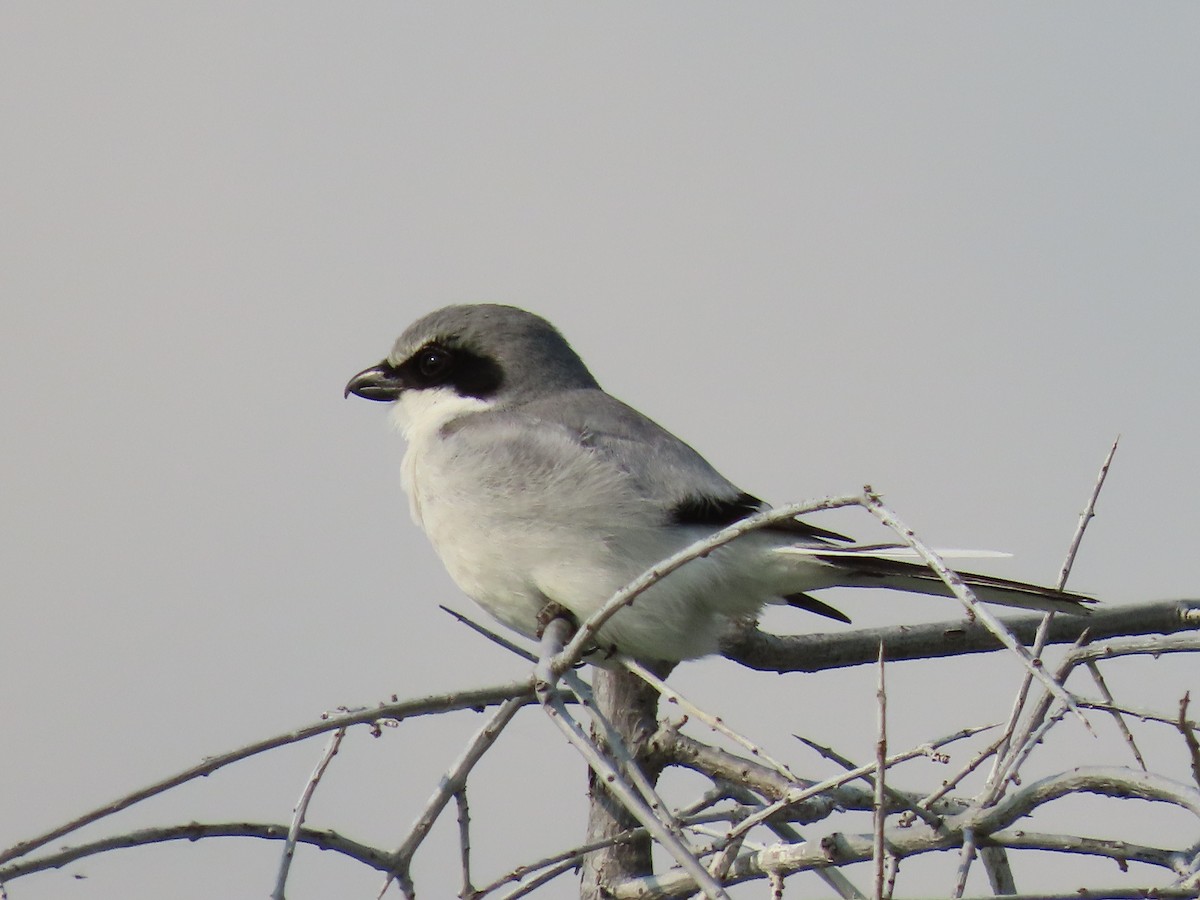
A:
{"x":451,"y":783}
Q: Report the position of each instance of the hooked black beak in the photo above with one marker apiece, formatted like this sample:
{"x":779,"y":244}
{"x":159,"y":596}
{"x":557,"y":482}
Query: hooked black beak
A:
{"x":383,"y":382}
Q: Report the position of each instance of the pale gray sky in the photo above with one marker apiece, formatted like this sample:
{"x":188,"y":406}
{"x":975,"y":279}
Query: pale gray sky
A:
{"x":947,"y":249}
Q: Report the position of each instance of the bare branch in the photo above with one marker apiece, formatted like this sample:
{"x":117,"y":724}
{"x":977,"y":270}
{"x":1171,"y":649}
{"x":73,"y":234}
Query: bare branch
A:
{"x":831,"y":650}
{"x":975,"y":762}
{"x":1187,"y":729}
{"x":451,"y":783}
{"x":547,"y":876}
{"x":1139,"y":712}
{"x":966,"y":856}
{"x":616,"y":746}
{"x":1107,"y":781}
{"x":976,"y":610}
{"x":1121,"y":851}
{"x":1018,"y":705}
{"x":714,"y":722}
{"x":711,"y":840}
{"x":1098,"y":678}
{"x":893,"y":871}
{"x":1136,"y":646}
{"x":895,"y":798}
{"x":395,"y":711}
{"x":289,"y":846}
{"x":1043,"y":631}
{"x":552,"y":651}
{"x":803,"y":800}
{"x":1034,"y":727}
{"x":999,"y":872}
{"x":881,"y":764}
{"x":464,"y":840}
{"x":374,"y":857}
{"x":902,"y":842}
{"x":1086,"y":516}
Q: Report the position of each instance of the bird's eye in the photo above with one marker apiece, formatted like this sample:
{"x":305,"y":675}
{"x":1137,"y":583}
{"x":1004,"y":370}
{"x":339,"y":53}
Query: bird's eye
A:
{"x":433,"y":361}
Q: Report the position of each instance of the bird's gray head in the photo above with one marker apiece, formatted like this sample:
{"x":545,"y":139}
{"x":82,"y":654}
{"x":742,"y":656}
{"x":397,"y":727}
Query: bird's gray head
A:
{"x":492,"y":354}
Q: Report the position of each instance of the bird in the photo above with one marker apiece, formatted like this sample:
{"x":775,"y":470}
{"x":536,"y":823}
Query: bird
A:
{"x":542,"y":494}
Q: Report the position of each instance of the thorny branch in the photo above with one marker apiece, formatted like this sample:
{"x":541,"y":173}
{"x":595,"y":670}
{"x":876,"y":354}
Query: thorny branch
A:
{"x":743,"y":827}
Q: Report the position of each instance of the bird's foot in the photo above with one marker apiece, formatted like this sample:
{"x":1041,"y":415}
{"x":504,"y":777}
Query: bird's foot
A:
{"x":552,"y":611}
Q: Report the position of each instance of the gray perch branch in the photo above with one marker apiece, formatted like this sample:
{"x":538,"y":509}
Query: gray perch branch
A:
{"x":817,"y":652}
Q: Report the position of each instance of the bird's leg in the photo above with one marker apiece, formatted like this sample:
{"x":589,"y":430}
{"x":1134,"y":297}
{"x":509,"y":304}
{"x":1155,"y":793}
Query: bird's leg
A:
{"x":552,"y":611}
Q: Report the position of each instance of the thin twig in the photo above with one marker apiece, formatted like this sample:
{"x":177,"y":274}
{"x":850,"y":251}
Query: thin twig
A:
{"x":952,"y":782}
{"x":451,"y":783}
{"x":1039,"y":644}
{"x":833,"y":877}
{"x":716,"y":723}
{"x":1098,"y":678}
{"x":548,"y":875}
{"x":1082,"y":654}
{"x":568,"y":859}
{"x":1085,"y":517}
{"x":797,"y":794}
{"x":289,"y":845}
{"x":966,"y":856}
{"x":880,"y":814}
{"x":929,"y":748}
{"x":1135,"y":646}
{"x":194,"y":831}
{"x":1032,"y":728}
{"x":396,"y":711}
{"x":1186,"y":729}
{"x":895,"y":798}
{"x":553,"y":640}
{"x":1141,"y":713}
{"x":464,"y":840}
{"x":584,"y":637}
{"x":629,"y":766}
{"x":723,"y":859}
{"x":966,"y":596}
{"x":1018,"y":705}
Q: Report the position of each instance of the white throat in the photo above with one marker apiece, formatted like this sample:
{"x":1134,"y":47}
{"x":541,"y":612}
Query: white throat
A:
{"x":420,"y":416}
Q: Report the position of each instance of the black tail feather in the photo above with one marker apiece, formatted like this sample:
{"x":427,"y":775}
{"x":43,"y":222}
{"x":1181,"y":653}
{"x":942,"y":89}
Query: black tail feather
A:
{"x":813,"y":605}
{"x":866,"y":571}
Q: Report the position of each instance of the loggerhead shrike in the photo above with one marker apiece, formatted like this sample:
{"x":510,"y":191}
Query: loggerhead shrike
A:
{"x":538,"y":488}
